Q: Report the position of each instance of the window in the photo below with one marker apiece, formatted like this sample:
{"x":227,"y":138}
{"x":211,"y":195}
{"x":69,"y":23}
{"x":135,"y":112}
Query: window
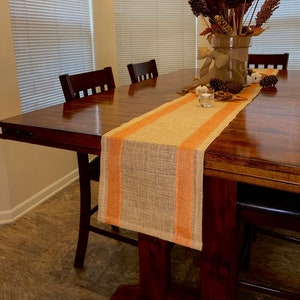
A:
{"x":283,"y":33}
{"x":50,"y":38}
{"x":163,"y":30}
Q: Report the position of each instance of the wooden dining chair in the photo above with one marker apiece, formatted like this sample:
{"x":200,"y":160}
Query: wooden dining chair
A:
{"x":84,"y":84}
{"x":74,"y":87}
{"x":264,"y":211}
{"x":141,"y":71}
{"x":276,"y":61}
{"x":259,"y":207}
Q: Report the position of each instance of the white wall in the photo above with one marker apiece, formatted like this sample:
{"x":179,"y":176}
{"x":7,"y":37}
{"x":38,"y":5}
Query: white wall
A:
{"x":29,"y":174}
{"x":104,"y":35}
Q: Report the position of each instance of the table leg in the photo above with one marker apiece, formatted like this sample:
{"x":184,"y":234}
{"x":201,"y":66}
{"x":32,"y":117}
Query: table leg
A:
{"x":219,"y":257}
{"x":85,"y":207}
{"x":154,"y":257}
{"x":154,"y":262}
{"x":219,"y":263}
{"x":155,"y":277}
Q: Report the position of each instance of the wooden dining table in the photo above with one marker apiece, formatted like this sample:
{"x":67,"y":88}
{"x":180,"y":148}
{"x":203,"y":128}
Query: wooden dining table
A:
{"x":260,"y":146}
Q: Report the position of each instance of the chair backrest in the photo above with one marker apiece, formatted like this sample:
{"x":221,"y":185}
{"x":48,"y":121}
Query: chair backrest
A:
{"x":84,"y":84}
{"x":142,"y":71}
{"x":268,"y":60}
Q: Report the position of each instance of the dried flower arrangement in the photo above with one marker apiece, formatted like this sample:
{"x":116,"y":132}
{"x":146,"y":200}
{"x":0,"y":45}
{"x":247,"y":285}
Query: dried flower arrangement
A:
{"x":233,"y":17}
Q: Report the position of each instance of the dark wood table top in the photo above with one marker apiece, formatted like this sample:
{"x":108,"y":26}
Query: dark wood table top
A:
{"x":261,"y":145}
{"x":78,"y":125}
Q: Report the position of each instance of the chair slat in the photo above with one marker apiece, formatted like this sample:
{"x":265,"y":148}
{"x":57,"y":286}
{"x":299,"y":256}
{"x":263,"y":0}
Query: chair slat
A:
{"x":276,"y":61}
{"x":142,"y":71}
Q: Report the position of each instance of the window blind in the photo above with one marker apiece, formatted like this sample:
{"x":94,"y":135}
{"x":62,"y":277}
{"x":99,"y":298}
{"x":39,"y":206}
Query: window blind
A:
{"x":50,"y":38}
{"x":283,"y":33}
{"x":163,"y":30}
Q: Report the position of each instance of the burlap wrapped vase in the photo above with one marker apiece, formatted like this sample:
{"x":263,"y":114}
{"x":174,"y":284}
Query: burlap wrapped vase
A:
{"x":226,"y":60}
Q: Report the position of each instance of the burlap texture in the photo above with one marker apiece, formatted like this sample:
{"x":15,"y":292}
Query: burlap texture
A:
{"x":152,"y":168}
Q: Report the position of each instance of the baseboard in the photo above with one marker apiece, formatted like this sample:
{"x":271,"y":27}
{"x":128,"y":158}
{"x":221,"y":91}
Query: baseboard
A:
{"x":11,"y":215}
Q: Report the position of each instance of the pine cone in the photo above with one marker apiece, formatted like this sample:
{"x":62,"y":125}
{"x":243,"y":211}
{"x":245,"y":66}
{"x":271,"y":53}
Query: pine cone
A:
{"x":269,"y":81}
{"x":199,"y":7}
{"x":216,"y":84}
{"x":232,"y":3}
{"x":233,"y":87}
{"x":235,"y":3}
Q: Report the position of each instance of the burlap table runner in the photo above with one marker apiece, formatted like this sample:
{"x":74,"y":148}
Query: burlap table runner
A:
{"x":152,"y":168}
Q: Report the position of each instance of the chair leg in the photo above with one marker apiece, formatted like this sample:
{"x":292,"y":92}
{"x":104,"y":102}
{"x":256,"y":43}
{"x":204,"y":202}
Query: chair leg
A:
{"x":249,"y":237}
{"x":85,"y":207}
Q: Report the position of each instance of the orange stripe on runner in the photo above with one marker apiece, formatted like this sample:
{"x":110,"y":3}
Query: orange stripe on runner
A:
{"x":185,"y":167}
{"x":114,"y":193}
{"x":185,"y":174}
{"x":271,"y":71}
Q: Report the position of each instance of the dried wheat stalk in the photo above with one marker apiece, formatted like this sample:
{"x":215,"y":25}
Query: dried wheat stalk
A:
{"x":266,"y":12}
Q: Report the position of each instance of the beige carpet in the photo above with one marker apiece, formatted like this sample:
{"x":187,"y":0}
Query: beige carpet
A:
{"x":37,"y":253}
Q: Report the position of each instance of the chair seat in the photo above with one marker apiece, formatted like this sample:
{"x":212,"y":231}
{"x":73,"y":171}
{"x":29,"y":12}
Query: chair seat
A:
{"x":265,"y":211}
{"x":263,"y":199}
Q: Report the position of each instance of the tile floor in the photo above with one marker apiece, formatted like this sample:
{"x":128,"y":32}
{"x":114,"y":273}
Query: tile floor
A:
{"x":37,"y":253}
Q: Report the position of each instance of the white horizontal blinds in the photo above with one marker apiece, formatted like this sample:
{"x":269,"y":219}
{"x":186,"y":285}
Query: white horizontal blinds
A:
{"x":135,"y":33}
{"x":50,"y":38}
{"x":283,"y":34}
{"x":163,"y":30}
